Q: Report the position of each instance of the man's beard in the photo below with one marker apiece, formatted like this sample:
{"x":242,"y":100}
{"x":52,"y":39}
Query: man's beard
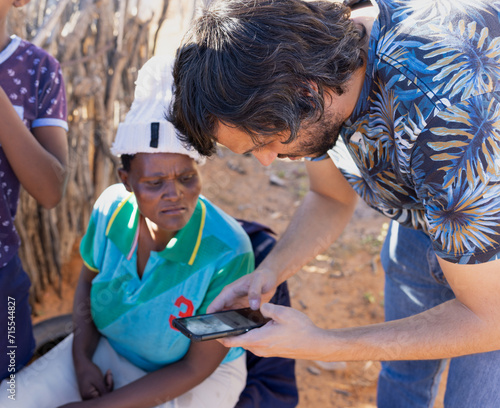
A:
{"x":315,"y":140}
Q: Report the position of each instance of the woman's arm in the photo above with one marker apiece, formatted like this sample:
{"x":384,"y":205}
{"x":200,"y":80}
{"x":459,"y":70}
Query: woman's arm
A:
{"x":91,"y":382}
{"x":165,"y":384}
{"x":162,"y":385}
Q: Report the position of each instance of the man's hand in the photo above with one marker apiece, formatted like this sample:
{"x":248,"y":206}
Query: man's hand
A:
{"x":289,"y":334}
{"x":249,"y":290}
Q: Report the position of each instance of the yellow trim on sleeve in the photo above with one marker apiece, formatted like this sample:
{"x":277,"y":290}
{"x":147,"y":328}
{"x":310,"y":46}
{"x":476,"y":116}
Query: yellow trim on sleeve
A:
{"x":90,"y":267}
{"x":116,"y":212}
{"x":200,"y":233}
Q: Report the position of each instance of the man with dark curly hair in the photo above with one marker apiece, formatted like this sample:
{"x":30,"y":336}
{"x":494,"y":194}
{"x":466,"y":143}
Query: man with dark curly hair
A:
{"x":397,"y":101}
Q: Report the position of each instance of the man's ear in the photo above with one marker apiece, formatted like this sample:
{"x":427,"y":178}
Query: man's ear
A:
{"x":123,"y":174}
{"x":310,"y":89}
{"x":20,"y":3}
{"x":313,"y":85}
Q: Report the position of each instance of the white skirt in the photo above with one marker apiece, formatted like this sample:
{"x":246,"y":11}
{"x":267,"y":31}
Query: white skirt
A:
{"x":50,"y":381}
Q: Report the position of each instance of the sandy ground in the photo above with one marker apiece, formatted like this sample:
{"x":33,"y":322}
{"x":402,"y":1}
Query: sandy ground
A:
{"x":342,"y":287}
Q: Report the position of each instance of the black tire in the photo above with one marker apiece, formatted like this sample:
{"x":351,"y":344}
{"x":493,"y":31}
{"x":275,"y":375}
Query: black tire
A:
{"x":48,"y":333}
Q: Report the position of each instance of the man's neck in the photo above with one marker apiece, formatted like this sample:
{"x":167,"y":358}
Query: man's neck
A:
{"x":344,"y":104}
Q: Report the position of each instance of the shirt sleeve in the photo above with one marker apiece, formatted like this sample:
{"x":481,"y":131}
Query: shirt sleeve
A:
{"x":52,"y":106}
{"x":93,"y":243}
{"x":457,"y":174}
{"x":87,"y":246}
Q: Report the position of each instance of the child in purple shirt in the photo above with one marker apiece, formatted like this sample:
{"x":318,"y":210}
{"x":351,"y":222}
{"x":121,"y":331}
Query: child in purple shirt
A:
{"x":33,"y":153}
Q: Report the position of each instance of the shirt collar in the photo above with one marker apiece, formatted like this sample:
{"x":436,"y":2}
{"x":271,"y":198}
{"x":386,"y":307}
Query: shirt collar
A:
{"x":11,"y":47}
{"x":123,"y":225}
{"x":184,"y":246}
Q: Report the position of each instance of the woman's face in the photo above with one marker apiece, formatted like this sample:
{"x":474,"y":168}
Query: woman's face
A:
{"x":166,"y":186}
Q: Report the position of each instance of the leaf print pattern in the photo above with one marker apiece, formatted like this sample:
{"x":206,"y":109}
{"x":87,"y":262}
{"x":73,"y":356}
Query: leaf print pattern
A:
{"x":469,"y":59}
{"x":466,"y":220}
{"x":414,"y":13}
{"x":425,"y":136}
{"x":471,"y":149}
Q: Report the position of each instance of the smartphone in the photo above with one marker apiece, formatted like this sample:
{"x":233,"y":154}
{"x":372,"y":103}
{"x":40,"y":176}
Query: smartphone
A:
{"x":220,"y":324}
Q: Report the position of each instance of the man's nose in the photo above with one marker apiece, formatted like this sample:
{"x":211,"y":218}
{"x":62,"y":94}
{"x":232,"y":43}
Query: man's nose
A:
{"x":265,"y":157}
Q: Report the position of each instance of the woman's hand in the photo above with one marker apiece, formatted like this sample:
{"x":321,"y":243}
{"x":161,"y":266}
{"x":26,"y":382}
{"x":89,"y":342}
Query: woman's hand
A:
{"x":91,"y":382}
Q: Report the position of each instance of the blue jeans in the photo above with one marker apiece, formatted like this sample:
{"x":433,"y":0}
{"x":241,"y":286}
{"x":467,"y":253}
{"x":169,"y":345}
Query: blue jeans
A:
{"x":414,"y":283}
{"x":16,"y":350}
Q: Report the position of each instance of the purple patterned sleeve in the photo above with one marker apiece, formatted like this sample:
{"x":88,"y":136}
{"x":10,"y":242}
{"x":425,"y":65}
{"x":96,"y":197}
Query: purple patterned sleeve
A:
{"x":52,"y":109}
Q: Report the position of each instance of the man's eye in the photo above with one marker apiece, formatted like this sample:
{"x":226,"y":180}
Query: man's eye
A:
{"x":186,"y":177}
{"x":153,"y":183}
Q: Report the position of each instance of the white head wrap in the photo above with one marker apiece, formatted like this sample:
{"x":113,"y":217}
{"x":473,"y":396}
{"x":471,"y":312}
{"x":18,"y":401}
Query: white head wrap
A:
{"x":146,"y":129}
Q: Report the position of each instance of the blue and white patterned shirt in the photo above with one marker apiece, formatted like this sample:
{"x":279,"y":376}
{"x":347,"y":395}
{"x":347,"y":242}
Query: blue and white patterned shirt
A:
{"x":424,"y":140}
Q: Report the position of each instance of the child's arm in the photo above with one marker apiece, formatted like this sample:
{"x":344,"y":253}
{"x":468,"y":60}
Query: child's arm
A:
{"x":91,"y":382}
{"x":39,"y":162}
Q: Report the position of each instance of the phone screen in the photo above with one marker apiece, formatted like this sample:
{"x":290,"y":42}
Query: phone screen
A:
{"x":220,"y":324}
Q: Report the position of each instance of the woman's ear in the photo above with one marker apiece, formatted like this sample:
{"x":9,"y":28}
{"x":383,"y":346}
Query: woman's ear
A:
{"x":123,"y":174}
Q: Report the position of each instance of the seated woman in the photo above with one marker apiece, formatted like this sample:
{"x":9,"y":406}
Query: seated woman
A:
{"x":154,"y":250}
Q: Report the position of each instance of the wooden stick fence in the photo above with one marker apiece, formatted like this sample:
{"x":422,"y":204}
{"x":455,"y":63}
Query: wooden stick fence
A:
{"x":100,"y":44}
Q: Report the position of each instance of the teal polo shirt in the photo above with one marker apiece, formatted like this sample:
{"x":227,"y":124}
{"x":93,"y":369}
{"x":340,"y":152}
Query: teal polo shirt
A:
{"x":135,"y":314}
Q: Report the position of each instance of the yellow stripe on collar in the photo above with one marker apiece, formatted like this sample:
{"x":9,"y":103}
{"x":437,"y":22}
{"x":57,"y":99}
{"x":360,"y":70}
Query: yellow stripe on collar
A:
{"x":110,"y":223}
{"x":200,"y":233}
